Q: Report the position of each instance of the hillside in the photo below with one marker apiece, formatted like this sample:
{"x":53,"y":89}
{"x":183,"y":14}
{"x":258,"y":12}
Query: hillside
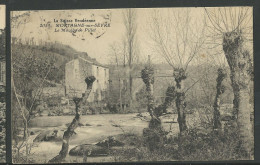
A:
{"x":55,"y":53}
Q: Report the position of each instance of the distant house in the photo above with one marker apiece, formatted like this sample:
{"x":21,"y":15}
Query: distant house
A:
{"x":120,"y":74}
{"x":77,"y":70}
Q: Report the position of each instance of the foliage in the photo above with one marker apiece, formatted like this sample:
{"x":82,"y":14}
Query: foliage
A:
{"x":31,"y":62}
{"x":53,"y":101}
{"x":170,"y":95}
{"x":30,"y":75}
{"x":141,"y":98}
{"x":168,"y":101}
{"x":195,"y":146}
{"x":112,"y":108}
{"x":147,"y":75}
{"x":179,"y":75}
{"x":31,"y":72}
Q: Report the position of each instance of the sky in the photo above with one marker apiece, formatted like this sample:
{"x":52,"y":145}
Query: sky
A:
{"x":96,"y":45}
{"x":2,"y":16}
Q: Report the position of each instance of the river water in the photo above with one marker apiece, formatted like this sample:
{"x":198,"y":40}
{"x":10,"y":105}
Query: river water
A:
{"x":98,"y":128}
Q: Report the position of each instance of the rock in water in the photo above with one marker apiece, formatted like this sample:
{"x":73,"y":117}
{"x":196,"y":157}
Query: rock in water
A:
{"x":110,"y":142}
{"x":88,"y":124}
{"x":80,"y":124}
{"x":88,"y":150}
{"x":48,"y":135}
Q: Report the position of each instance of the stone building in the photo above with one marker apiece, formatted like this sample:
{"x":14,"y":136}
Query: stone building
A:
{"x":77,"y":70}
{"x":120,"y":74}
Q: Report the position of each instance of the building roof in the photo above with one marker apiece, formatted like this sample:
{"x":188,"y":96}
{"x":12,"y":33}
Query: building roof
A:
{"x":93,"y":61}
{"x":86,"y":58}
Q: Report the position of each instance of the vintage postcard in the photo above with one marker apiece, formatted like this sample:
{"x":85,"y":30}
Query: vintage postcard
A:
{"x":132,"y":85}
{"x":2,"y":84}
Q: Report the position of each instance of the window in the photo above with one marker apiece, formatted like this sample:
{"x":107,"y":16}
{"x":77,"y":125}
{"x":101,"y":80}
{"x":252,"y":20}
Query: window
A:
{"x":76,"y":73}
{"x":105,"y":85}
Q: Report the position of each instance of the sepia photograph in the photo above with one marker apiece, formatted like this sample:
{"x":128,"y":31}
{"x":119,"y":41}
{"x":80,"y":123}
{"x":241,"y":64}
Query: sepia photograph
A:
{"x":2,"y":85}
{"x":131,"y":84}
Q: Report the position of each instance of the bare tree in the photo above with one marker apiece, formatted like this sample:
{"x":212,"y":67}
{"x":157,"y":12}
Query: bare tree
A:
{"x":130,"y":44}
{"x":232,"y":31}
{"x":75,"y":122}
{"x":178,"y":39}
{"x":213,"y":61}
{"x":117,"y":53}
{"x":31,"y":70}
{"x":29,"y":75}
{"x":154,"y":134}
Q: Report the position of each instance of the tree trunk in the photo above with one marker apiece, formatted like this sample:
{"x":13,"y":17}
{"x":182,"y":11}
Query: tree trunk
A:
{"x":180,"y":104}
{"x":153,"y":135}
{"x":25,"y":136}
{"x":179,"y":76}
{"x":25,"y":130}
{"x":243,"y":122}
{"x":130,"y":90}
{"x":120,"y":95}
{"x":220,"y":90}
{"x":68,"y":133}
{"x":130,"y":70}
{"x":150,"y":98}
{"x":170,"y":96}
{"x":239,"y":62}
{"x":235,"y":103}
{"x":74,"y":124}
{"x":148,"y":79}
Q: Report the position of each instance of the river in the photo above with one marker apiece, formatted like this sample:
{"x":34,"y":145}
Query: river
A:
{"x":98,"y":128}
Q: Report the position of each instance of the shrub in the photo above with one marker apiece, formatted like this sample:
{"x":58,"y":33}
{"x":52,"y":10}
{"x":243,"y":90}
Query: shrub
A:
{"x":136,"y":150}
{"x":141,"y":98}
{"x":112,"y":108}
{"x":195,"y":145}
{"x":53,"y":101}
